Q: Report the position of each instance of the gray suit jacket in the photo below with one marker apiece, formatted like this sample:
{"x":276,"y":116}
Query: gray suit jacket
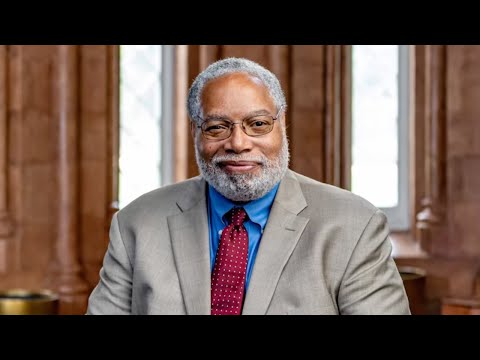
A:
{"x":323,"y":251}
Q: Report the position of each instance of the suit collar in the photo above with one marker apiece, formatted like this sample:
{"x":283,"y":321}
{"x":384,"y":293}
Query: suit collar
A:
{"x":191,"y":196}
{"x":189,"y":236}
{"x":290,"y":194}
{"x":282,"y":233}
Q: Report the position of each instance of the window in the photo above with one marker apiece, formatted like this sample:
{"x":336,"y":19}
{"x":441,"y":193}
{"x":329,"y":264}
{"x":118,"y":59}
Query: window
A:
{"x":145,"y":98}
{"x":380,"y":114}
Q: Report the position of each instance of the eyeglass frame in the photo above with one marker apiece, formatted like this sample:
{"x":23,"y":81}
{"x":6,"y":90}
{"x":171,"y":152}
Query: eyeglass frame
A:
{"x":232,"y":124}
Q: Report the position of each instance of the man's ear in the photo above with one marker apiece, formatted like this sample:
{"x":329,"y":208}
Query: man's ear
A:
{"x":283,"y":120}
{"x":193,"y":129}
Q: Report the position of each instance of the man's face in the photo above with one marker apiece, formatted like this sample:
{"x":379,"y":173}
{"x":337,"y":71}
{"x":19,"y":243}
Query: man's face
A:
{"x":241,"y":167}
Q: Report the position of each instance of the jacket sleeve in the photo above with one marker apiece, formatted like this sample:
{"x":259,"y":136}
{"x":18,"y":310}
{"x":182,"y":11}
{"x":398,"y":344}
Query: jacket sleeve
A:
{"x":113,"y":293}
{"x":371,"y":283}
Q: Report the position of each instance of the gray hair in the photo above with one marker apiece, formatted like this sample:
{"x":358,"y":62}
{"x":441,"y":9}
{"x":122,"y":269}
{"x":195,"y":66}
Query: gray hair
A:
{"x":229,"y":66}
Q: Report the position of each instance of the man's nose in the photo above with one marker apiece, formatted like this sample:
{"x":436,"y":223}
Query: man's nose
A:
{"x":238,"y":140}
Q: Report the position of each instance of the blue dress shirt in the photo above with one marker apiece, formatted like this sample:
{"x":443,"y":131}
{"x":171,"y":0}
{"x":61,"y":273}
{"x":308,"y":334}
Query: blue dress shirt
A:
{"x":257,"y":211}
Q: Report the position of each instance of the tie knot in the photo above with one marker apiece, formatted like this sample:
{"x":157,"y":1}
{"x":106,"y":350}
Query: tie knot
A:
{"x":237,"y":216}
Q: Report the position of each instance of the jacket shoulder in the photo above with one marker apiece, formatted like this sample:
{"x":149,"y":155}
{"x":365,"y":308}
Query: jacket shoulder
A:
{"x":164,"y":200}
{"x":333,"y":199}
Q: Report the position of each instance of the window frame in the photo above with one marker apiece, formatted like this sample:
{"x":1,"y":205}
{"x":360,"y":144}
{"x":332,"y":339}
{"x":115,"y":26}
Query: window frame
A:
{"x":165,"y":80}
{"x":167,"y":136}
{"x":399,"y":215}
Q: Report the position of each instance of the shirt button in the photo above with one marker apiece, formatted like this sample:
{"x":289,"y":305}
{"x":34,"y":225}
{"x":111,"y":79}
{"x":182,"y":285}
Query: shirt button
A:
{"x":220,"y":232}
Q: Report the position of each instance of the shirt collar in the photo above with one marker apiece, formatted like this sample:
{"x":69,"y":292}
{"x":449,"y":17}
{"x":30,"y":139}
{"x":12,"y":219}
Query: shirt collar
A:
{"x":257,"y":210}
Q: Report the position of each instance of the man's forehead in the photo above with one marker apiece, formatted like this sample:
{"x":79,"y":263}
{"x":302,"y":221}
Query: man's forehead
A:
{"x":234,"y":78}
{"x":236,"y":92}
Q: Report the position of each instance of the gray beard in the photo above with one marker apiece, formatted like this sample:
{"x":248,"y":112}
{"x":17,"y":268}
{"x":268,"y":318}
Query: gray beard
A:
{"x":245,"y":187}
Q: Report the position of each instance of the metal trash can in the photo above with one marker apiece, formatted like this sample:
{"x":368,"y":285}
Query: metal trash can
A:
{"x":27,"y":302}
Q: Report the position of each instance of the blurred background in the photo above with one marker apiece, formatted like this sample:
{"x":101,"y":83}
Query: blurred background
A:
{"x":85,"y":129}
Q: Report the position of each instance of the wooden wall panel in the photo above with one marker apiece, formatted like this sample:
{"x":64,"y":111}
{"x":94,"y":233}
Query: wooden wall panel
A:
{"x":431,"y":220}
{"x":94,"y":147}
{"x":417,"y":130}
{"x":38,"y":157}
{"x":257,"y":53}
{"x":68,"y":278}
{"x":306,"y":108}
{"x":451,"y":150}
{"x":463,"y":88}
{"x":446,"y":143}
{"x":58,"y":166}
{"x":31,"y":170}
{"x":5,"y":216}
{"x":14,"y":170}
{"x":463,"y":165}
{"x":321,"y":116}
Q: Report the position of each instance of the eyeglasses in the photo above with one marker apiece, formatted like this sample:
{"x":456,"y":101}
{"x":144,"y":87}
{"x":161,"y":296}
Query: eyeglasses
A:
{"x":221,"y":128}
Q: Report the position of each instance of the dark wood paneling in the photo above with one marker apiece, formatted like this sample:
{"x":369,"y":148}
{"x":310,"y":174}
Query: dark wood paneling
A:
{"x":446,"y":140}
{"x":5,"y":216}
{"x":181,"y":129}
{"x":96,"y":114}
{"x":463,"y":129}
{"x":307,"y":105}
{"x":430,"y":224}
{"x":67,"y":277}
{"x":321,"y":115}
{"x":58,"y":164}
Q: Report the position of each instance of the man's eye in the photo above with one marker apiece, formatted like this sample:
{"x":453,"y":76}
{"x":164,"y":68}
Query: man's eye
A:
{"x":257,"y":123}
{"x":216,"y":127}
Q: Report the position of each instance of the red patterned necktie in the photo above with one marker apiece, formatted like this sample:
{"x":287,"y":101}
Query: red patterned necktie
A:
{"x":229,"y":272}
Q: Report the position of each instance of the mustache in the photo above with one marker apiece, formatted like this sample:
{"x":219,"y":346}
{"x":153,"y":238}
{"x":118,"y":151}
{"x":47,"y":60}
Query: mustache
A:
{"x":216,"y":160}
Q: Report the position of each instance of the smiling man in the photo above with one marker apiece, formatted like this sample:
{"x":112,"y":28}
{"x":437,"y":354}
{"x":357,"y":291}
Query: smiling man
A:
{"x":248,"y":236}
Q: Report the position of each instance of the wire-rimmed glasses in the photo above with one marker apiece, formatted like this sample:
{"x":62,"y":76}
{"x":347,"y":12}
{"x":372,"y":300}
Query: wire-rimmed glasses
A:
{"x":218,"y":128}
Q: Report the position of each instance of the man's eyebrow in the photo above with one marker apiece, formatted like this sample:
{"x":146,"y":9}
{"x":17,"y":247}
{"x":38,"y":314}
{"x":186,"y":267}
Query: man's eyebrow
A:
{"x":217,"y":117}
{"x":248,"y":115}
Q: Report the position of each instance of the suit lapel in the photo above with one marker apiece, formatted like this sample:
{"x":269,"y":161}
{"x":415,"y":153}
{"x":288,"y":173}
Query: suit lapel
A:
{"x":189,"y":235}
{"x":283,"y":230}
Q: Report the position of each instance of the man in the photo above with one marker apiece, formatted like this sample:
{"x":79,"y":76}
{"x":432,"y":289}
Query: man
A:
{"x":248,"y":236}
